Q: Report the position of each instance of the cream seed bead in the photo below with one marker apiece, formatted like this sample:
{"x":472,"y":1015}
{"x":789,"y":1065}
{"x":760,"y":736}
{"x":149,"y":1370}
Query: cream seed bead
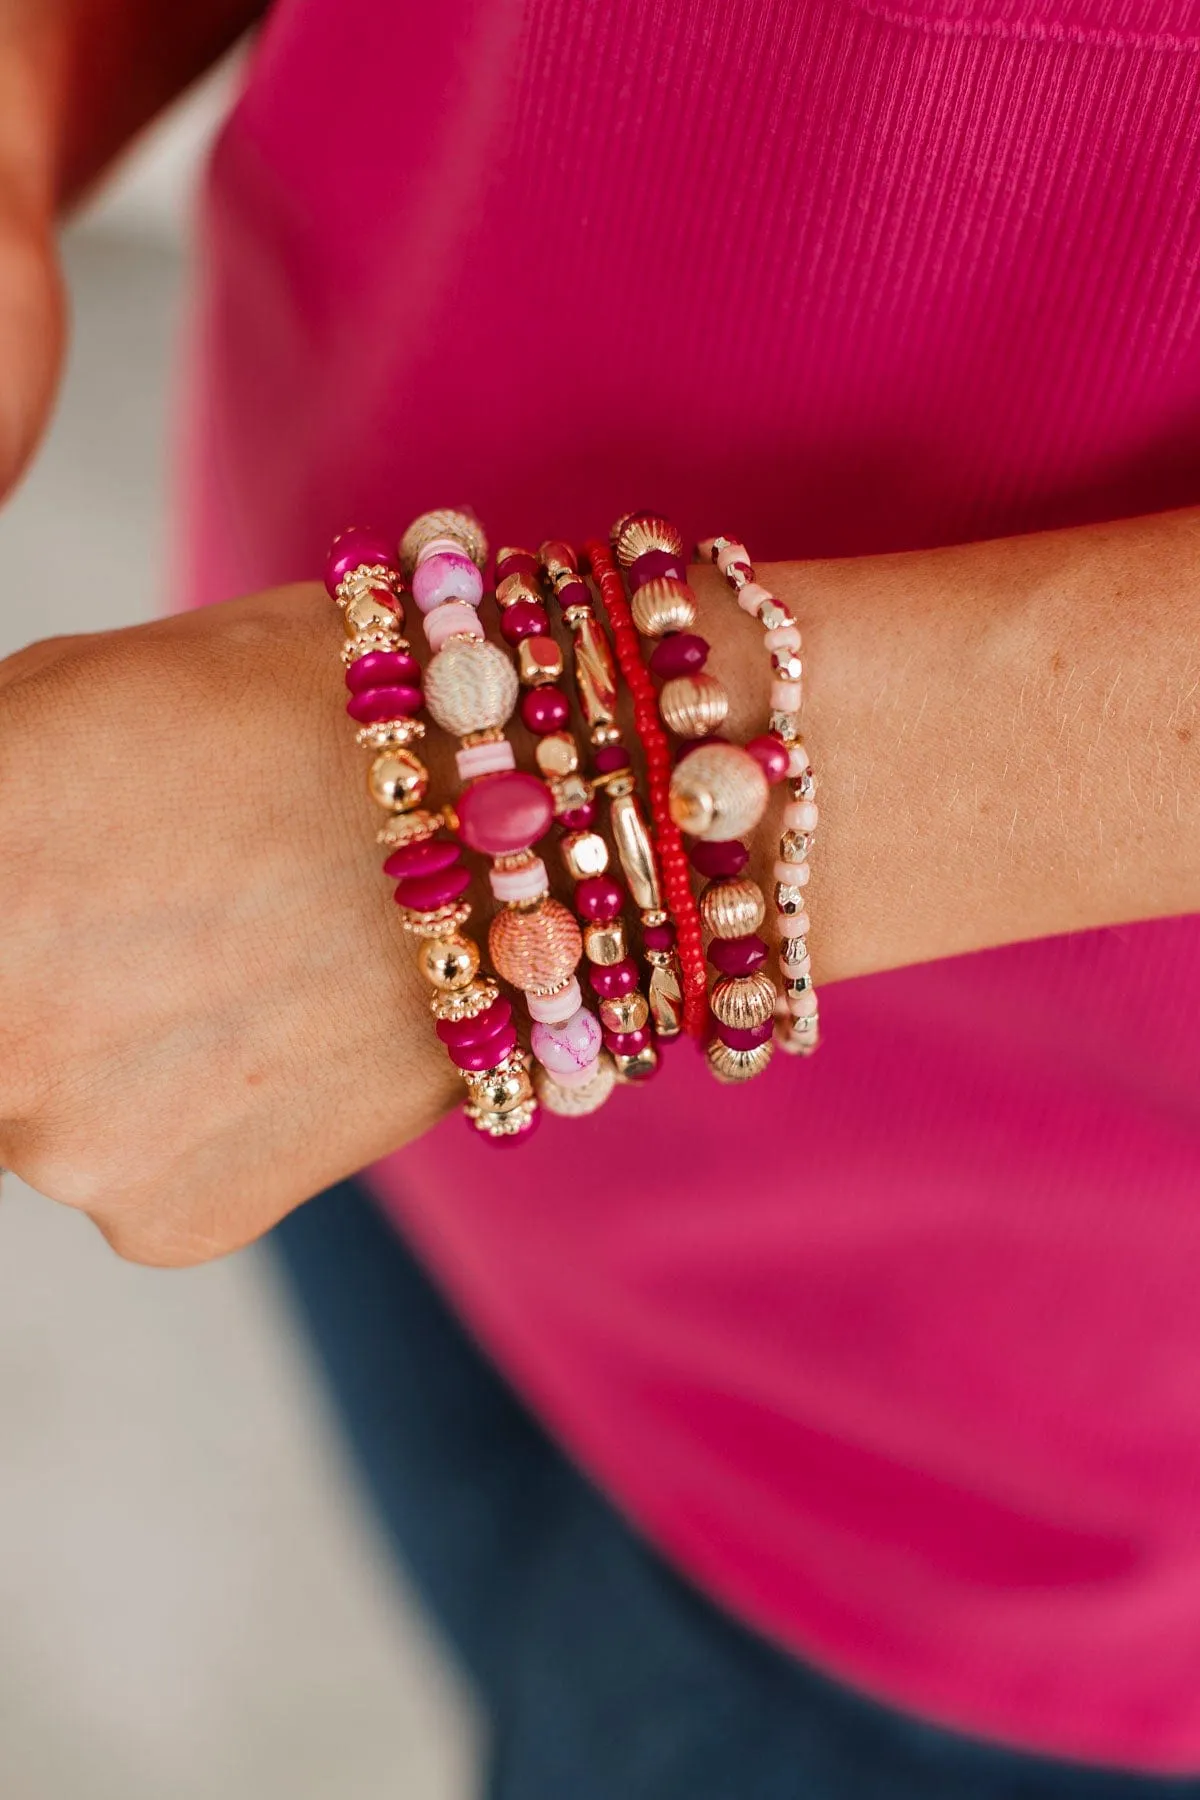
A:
{"x":752,"y":597}
{"x":797,"y":760}
{"x":784,"y":637}
{"x":786,"y":696}
{"x":791,"y":874}
{"x":730,"y":555}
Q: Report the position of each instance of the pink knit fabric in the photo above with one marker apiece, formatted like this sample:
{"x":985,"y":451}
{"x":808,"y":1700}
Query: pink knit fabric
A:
{"x":926,"y":1405}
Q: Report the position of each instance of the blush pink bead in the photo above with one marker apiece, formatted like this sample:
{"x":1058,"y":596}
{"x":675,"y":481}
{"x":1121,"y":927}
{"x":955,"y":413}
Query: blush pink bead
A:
{"x":785,"y":696}
{"x":794,"y":874}
{"x":753,"y":596}
{"x":553,"y":1009}
{"x":575,"y":1044}
{"x":575,"y":1078}
{"x":449,"y":575}
{"x":384,"y":703}
{"x":731,"y":555}
{"x":484,"y":759}
{"x":800,"y":815}
{"x":797,"y":760}
{"x":793,"y":925}
{"x":455,"y":619}
{"x":355,"y":549}
{"x":803,"y":1006}
{"x":512,"y":886}
{"x":503,"y":814}
{"x":784,"y":637}
{"x":443,"y":546}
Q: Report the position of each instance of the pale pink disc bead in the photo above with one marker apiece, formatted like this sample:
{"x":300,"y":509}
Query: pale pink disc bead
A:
{"x":803,"y":1006}
{"x":797,"y":760}
{"x":800,"y":815}
{"x":732,"y":554}
{"x":484,"y":759}
{"x":794,"y":874}
{"x":786,"y":696}
{"x":790,"y":925}
{"x":784,"y":637}
{"x":443,"y":546}
{"x":455,"y":619}
{"x":574,"y":1044}
{"x":447,"y":576}
{"x":513,"y":886}
{"x":552,"y":1009}
{"x":753,"y":596}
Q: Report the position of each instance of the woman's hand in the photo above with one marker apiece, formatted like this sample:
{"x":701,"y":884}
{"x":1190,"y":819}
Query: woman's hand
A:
{"x":208,"y":1009}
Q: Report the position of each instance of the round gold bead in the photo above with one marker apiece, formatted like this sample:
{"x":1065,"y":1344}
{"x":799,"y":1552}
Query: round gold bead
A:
{"x":557,"y":754}
{"x":369,"y":613}
{"x":743,"y":1001}
{"x":718,"y":792}
{"x":732,"y":909}
{"x":663,"y":605}
{"x":577,"y":1102}
{"x":624,"y":1012}
{"x":502,"y":1089}
{"x":538,"y":948}
{"x":448,"y":963}
{"x":470,"y":686}
{"x":604,"y":943}
{"x":693,"y":706}
{"x":735,"y":1066}
{"x":447,"y":521}
{"x":584,"y":853}
{"x":397,"y":779}
{"x":637,"y":533}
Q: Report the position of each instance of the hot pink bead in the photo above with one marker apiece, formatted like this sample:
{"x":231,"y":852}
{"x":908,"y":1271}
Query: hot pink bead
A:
{"x":355,"y":548}
{"x":800,"y":815}
{"x":750,"y":1038}
{"x":384,"y":703}
{"x":611,"y":757}
{"x":659,"y":937}
{"x":720,"y":861}
{"x":455,"y":619}
{"x":783,"y":637}
{"x":520,"y":562}
{"x":580,"y":818}
{"x":545,"y":709}
{"x":524,"y":620}
{"x":627,"y":1043}
{"x":425,"y":893}
{"x":653,"y":564}
{"x":487,"y":1024}
{"x":611,"y":982}
{"x":786,"y":696}
{"x":429,"y":858}
{"x":552,"y":1009}
{"x":599,"y":898}
{"x":474,"y":1057}
{"x":574,"y":1044}
{"x":682,"y":653}
{"x":573,"y":593}
{"x":383,"y":668}
{"x":446,"y":576}
{"x":737,"y":956}
{"x":770,"y":753}
{"x":474,"y":760}
{"x":502,"y":814}
{"x":753,"y":596}
{"x":794,"y":874}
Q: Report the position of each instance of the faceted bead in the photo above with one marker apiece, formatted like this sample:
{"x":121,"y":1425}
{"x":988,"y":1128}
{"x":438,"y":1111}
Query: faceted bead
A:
{"x":383,"y":668}
{"x":524,"y":620}
{"x":610,"y":758}
{"x":620,"y":978}
{"x":502,"y":814}
{"x":575,"y":1044}
{"x":355,"y":549}
{"x":599,"y":899}
{"x":429,"y":858}
{"x":384,"y":703}
{"x":545,"y":709}
{"x":475,"y":1057}
{"x":748,"y":1038}
{"x":426,"y":893}
{"x":683,"y":653}
{"x":717,"y":862}
{"x":446,"y":576}
{"x":654,"y":563}
{"x":771,"y":755}
{"x":737,"y":956}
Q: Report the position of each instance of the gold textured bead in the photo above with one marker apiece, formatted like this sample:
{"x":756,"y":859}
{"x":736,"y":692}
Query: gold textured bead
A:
{"x":577,"y":1102}
{"x":448,"y":521}
{"x":557,"y":754}
{"x":732,"y":909}
{"x":584,"y":853}
{"x":442,"y":923}
{"x":369,"y":613}
{"x":693,"y":706}
{"x":382,"y":732}
{"x":398,"y":780}
{"x":464,"y":1003}
{"x":638,"y":1065}
{"x":366,"y":643}
{"x":638,"y":533}
{"x":663,"y":605}
{"x":624,"y":1012}
{"x":735,"y":1066}
{"x":470,"y":686}
{"x":518,"y":587}
{"x":604,"y":943}
{"x":407,"y":828}
{"x":448,"y":963}
{"x":570,"y":793}
{"x":743,"y":1001}
{"x":537,"y":948}
{"x":718,"y":792}
{"x":539,"y":661}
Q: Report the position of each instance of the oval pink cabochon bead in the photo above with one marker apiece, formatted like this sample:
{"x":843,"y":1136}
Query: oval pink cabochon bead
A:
{"x":505,"y":813}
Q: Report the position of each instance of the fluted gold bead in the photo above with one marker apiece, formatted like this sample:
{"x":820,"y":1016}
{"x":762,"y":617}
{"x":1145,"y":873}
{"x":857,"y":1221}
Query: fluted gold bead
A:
{"x":718,"y":792}
{"x":584,"y":853}
{"x":467,"y":1002}
{"x":470,"y":685}
{"x":735,"y":1066}
{"x":743,"y":1001}
{"x":663,"y":605}
{"x":447,"y":521}
{"x":557,"y":754}
{"x":638,"y":533}
{"x":605,"y":943}
{"x":448,"y":963}
{"x":368,"y":613}
{"x":624,"y":1012}
{"x":732,"y":909}
{"x":577,"y":1102}
{"x":397,"y":779}
{"x":693,"y":706}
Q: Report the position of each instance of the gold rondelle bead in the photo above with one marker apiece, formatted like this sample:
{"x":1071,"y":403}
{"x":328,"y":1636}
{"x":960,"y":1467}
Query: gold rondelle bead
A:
{"x":398,"y":780}
{"x":692,"y":706}
{"x":663,"y":605}
{"x":743,"y":1001}
{"x":718,"y":792}
{"x":464,"y":1003}
{"x":584,"y":853}
{"x":577,"y":1102}
{"x":732,"y":909}
{"x":637,"y":533}
{"x":735,"y":1066}
{"x":604,"y":943}
{"x":448,"y":963}
{"x":624,"y":1012}
{"x":367,"y":613}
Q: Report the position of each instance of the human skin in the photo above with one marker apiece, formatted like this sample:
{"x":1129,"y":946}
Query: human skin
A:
{"x":208,"y":1009}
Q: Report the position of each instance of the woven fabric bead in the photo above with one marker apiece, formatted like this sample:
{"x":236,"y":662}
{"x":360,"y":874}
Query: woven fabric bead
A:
{"x":470,"y":686}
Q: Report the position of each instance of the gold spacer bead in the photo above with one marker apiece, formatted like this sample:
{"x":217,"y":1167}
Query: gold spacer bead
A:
{"x":464,"y":1003}
{"x":570,"y":792}
{"x":435,"y":924}
{"x":743,"y":1001}
{"x":732,"y":909}
{"x":693,"y":706}
{"x":584,"y":853}
{"x":369,"y":642}
{"x":448,"y":963}
{"x":407,"y":828}
{"x":363,"y":579}
{"x":504,"y":1088}
{"x":663,"y":605}
{"x":389,"y":731}
{"x":604,"y":943}
{"x":636,"y":1067}
{"x":398,"y":780}
{"x":735,"y":1066}
{"x":624,"y":1012}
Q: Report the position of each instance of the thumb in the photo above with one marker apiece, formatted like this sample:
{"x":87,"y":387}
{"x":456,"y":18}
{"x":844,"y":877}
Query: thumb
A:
{"x":32,"y":331}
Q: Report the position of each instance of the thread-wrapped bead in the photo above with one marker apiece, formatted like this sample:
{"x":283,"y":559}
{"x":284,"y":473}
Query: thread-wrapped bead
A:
{"x":718,"y":792}
{"x":470,"y":686}
{"x":536,"y":949}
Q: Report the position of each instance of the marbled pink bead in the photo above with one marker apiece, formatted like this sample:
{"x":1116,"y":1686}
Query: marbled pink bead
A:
{"x":737,"y":956}
{"x":455,"y":619}
{"x":444,"y":577}
{"x":753,"y":596}
{"x":770,"y":753}
{"x":503,"y":814}
{"x":485,"y":1025}
{"x":793,"y":874}
{"x":384,"y":703}
{"x":355,"y":548}
{"x":426,"y":893}
{"x":383,"y":668}
{"x":612,"y":981}
{"x":800,"y":815}
{"x":803,"y":1006}
{"x":474,"y":1057}
{"x":574,"y":1044}
{"x":681,"y":653}
{"x":474,"y":760}
{"x":429,"y":858}
{"x":783,"y":637}
{"x":786,"y":696}
{"x":552,"y":1009}
{"x":513,"y":886}
{"x":748,"y":1039}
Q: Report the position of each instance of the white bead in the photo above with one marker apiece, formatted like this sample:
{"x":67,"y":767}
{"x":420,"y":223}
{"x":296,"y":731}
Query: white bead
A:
{"x":470,"y":686}
{"x":484,"y":759}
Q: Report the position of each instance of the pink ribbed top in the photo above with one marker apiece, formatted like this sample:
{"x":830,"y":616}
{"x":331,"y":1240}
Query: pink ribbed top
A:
{"x":925,"y":1406}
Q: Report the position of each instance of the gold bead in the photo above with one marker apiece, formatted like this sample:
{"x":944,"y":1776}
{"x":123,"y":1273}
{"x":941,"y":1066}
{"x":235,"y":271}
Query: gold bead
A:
{"x":389,"y":731}
{"x":637,"y":533}
{"x":624,"y":1012}
{"x":369,"y":613}
{"x":504,"y":1088}
{"x":663,"y":605}
{"x":518,"y":587}
{"x":604,"y":943}
{"x":367,"y":643}
{"x":638,"y":1066}
{"x":693,"y":706}
{"x":718,"y":792}
{"x":570,"y":793}
{"x":464,"y":1003}
{"x":470,"y":685}
{"x":447,"y":521}
{"x":448,"y":963}
{"x":735,"y":1066}
{"x":539,"y":661}
{"x":557,"y":754}
{"x":577,"y":1102}
{"x":732,"y":909}
{"x":538,"y":948}
{"x":743,"y":1001}
{"x":398,"y":780}
{"x":584,"y":853}
{"x":439,"y":924}
{"x":407,"y":828}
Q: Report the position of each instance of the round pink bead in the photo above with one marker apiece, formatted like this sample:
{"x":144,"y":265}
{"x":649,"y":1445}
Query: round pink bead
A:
{"x":581,"y":818}
{"x":384,"y":703}
{"x":599,"y":898}
{"x":429,"y":858}
{"x":425,"y":893}
{"x":786,"y":696}
{"x":524,"y":620}
{"x":512,"y":886}
{"x":475,"y":760}
{"x":800,"y":815}
{"x":383,"y":668}
{"x":544,"y":709}
{"x":574,"y":1044}
{"x":794,"y":874}
{"x":611,"y":982}
{"x":503,"y":814}
{"x":474,"y":1057}
{"x":627,"y":1043}
{"x":783,"y":637}
{"x":753,"y":596}
{"x":455,"y":619}
{"x":447,"y":576}
{"x":748,"y":1039}
{"x":355,"y":549}
{"x":552,"y":1009}
{"x":770,"y":753}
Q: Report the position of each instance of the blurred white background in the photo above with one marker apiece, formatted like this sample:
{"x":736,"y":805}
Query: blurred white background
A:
{"x":194,"y":1602}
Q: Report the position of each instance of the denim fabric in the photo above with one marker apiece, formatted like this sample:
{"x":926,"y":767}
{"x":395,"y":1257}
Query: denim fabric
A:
{"x":604,"y":1675}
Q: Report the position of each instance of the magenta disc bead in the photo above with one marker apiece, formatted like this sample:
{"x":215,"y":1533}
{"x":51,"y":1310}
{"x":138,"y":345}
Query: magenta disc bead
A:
{"x":383,"y":668}
{"x":771,"y":755}
{"x":718,"y":862}
{"x":479,"y":1030}
{"x":737,"y":956}
{"x":474,"y":1057}
{"x":573,"y":593}
{"x":682,"y":653}
{"x":610,"y":758}
{"x":504,"y":813}
{"x":611,"y":982}
{"x":520,"y":562}
{"x":545,"y":709}
{"x":425,"y":893}
{"x":653,"y":564}
{"x":354,"y":548}
{"x":749,"y":1039}
{"x":384,"y":703}
{"x":429,"y":858}
{"x":580,"y":818}
{"x":628,"y":1043}
{"x":599,"y":898}
{"x":525,"y":619}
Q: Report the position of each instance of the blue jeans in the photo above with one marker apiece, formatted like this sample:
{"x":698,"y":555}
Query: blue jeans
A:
{"x":604,"y":1675}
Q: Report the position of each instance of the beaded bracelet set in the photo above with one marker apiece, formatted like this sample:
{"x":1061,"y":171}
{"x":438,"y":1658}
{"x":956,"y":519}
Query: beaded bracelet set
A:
{"x":622,"y":854}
